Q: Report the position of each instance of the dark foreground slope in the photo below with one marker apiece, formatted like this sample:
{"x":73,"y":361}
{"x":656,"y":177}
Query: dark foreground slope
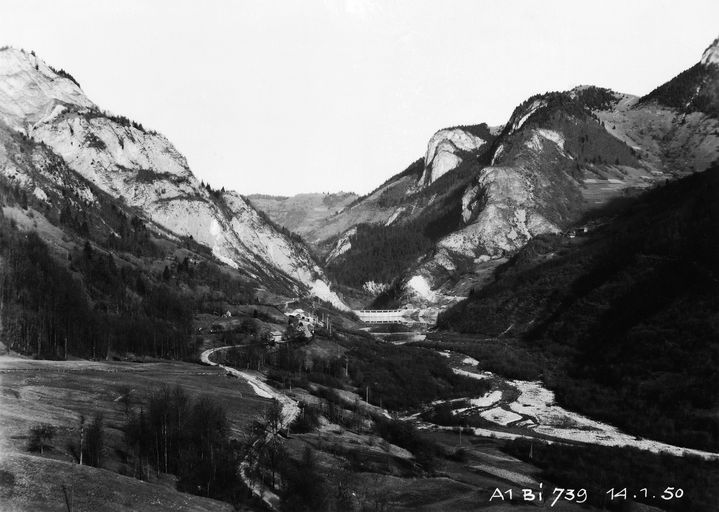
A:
{"x":627,"y":314}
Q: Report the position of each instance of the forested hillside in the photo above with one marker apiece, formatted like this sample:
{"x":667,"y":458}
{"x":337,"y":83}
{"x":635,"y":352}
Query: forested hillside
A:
{"x":691,"y":90}
{"x":47,"y":310}
{"x":382,"y":253}
{"x":113,"y":287}
{"x":628,"y":312}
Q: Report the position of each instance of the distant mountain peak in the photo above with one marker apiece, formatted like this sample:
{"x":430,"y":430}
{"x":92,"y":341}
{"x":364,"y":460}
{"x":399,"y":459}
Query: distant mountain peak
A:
{"x":15,"y":61}
{"x":30,"y":89}
{"x":711,"y":54}
{"x":445,"y":148}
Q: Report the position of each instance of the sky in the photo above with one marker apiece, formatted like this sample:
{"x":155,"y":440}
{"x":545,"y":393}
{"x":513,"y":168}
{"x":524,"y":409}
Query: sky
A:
{"x":283,"y":97}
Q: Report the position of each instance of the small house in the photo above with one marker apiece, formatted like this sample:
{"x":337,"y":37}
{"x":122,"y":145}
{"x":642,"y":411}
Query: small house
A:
{"x":302,"y":316}
{"x":300,"y":325}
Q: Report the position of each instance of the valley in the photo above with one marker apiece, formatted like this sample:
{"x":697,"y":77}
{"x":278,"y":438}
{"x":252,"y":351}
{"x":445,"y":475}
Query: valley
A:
{"x":524,"y":307}
{"x":469,"y":433}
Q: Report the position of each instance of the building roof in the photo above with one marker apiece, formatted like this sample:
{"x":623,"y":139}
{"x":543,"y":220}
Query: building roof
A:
{"x":298,"y":312}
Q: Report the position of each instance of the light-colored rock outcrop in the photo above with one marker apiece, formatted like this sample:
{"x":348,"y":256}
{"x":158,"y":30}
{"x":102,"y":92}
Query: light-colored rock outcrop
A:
{"x":445,"y":152}
{"x":343,"y":244}
{"x":30,"y":91}
{"x":509,"y":219}
{"x":145,"y":170}
{"x":711,"y":54}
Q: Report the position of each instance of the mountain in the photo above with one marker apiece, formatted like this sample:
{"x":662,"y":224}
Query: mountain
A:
{"x":446,"y":148}
{"x":301,"y":213}
{"x":405,"y":217}
{"x":480,"y":194}
{"x":618,"y":317}
{"x":143,"y":170}
{"x":625,"y":315}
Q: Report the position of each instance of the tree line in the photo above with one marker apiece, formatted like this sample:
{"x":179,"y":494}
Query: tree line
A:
{"x":93,"y":309}
{"x":175,"y":433}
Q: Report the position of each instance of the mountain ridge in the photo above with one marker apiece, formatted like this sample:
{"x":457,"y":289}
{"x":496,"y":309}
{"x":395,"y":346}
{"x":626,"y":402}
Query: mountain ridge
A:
{"x":559,"y":155}
{"x":147,"y":172}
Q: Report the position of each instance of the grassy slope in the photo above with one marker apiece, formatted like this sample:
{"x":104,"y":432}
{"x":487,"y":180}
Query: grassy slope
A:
{"x":626,"y":317}
{"x":37,"y":484}
{"x":304,"y":212}
{"x":57,"y":392}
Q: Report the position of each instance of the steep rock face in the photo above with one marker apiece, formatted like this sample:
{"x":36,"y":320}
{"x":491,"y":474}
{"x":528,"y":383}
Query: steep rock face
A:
{"x":522,"y":114}
{"x":147,"y":172}
{"x":559,"y":155}
{"x":268,"y":245}
{"x":445,"y":152}
{"x":528,"y":190}
{"x":35,"y":169}
{"x":403,"y":197}
{"x":565,"y":152}
{"x":711,"y":54}
{"x":343,"y":244}
{"x":510,"y":217}
{"x":30,"y":90}
{"x":532,"y":187}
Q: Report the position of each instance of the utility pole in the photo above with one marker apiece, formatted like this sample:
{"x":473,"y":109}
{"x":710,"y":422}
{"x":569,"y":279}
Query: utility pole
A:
{"x":82,"y":435}
{"x":69,"y":495}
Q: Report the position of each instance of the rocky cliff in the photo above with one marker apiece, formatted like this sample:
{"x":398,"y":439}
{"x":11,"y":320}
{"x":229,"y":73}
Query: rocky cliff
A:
{"x":144,"y":170}
{"x":563,"y":154}
{"x":448,"y":147}
{"x":481,"y":193}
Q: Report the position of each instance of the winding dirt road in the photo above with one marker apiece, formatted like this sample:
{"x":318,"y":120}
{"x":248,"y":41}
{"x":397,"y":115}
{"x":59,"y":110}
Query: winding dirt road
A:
{"x":290,"y":411}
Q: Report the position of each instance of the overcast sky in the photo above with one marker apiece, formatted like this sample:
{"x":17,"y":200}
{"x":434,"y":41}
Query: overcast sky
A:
{"x":284,"y":97}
